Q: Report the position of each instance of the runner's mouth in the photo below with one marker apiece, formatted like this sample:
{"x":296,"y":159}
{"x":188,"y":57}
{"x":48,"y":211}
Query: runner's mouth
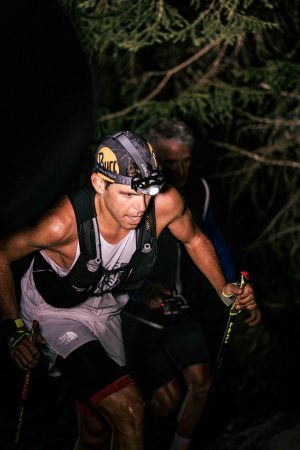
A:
{"x":135,"y":219}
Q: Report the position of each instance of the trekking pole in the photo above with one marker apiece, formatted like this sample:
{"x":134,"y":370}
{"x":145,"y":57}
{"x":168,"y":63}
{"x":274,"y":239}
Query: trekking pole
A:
{"x":244,"y":279}
{"x":233,"y":312}
{"x":24,"y":394}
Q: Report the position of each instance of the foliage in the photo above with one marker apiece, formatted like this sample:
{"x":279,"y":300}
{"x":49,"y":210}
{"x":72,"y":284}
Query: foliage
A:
{"x":135,"y":25}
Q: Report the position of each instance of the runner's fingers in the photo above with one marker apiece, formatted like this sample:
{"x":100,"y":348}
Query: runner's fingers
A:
{"x":31,"y":348}
{"x":25,"y":365}
{"x":25,"y":357}
{"x":23,"y":354}
{"x":246,"y":293}
{"x":22,"y":362}
{"x":245,"y":299}
{"x":20,"y":365}
{"x":248,"y":304}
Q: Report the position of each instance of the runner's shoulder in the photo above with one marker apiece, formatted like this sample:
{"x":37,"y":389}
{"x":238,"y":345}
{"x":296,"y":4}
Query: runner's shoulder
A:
{"x":58,"y":223}
{"x":169,"y":200}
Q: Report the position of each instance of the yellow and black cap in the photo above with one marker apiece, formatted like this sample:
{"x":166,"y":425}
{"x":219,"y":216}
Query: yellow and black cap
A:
{"x":120,"y":151}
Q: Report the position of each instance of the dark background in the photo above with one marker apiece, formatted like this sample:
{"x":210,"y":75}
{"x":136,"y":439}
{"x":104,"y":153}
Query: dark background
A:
{"x":47,"y":102}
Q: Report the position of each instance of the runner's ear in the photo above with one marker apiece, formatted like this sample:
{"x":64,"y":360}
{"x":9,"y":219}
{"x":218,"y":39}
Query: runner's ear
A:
{"x":98,"y":183}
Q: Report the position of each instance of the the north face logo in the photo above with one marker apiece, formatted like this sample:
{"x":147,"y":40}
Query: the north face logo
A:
{"x":69,"y":336}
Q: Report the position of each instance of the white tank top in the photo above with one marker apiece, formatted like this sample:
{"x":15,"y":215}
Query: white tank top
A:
{"x":113,"y":256}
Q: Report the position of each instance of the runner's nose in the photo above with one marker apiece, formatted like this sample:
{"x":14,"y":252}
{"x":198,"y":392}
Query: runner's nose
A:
{"x":141,"y":203}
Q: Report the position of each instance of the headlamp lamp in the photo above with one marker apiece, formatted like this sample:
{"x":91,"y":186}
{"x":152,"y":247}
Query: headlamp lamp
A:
{"x":149,"y":186}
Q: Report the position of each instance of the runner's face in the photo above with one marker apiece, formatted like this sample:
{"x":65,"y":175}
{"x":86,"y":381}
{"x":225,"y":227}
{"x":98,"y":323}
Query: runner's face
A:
{"x":175,"y":159}
{"x":125,"y":205}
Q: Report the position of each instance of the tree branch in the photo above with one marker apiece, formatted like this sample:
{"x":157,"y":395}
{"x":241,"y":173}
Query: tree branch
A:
{"x":168,"y":74}
{"x":294,"y":201}
{"x":257,"y":157}
{"x":278,"y":121}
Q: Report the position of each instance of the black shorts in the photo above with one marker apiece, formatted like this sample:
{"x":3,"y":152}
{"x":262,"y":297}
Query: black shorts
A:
{"x":92,"y":373}
{"x":157,"y":356}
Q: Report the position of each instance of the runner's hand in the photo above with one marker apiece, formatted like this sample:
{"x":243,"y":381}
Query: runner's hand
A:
{"x":245,"y":297}
{"x":25,"y":353}
{"x":155,"y":294}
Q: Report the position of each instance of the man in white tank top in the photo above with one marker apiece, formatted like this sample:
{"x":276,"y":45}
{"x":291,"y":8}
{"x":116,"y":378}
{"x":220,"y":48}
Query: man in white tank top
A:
{"x":83,"y":338}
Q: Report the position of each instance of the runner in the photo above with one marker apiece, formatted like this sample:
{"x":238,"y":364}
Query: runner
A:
{"x":89,"y":250}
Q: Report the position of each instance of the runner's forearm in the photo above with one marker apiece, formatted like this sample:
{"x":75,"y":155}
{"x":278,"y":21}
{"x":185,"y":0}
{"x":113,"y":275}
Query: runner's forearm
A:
{"x":8,"y":304}
{"x":204,"y":256}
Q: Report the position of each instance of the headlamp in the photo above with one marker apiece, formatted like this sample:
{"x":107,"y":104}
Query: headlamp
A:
{"x":149,"y":186}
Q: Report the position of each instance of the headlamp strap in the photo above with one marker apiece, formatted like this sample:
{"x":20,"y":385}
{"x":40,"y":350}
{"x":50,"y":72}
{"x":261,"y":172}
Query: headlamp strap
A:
{"x":121,"y":179}
{"x":125,"y":142}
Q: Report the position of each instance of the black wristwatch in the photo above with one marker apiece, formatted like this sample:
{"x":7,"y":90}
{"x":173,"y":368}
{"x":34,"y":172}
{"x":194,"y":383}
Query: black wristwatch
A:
{"x":11,"y":326}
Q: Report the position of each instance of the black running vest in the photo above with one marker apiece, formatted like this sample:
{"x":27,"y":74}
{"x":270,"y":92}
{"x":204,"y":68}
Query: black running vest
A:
{"x":82,"y":280}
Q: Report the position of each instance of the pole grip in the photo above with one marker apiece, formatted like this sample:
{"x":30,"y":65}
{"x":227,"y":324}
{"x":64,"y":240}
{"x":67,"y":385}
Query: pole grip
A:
{"x":244,"y":279}
{"x":34,"y":328}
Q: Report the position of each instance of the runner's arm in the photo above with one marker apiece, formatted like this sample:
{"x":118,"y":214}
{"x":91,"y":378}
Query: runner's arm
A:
{"x":53,"y":232}
{"x":172,"y":212}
